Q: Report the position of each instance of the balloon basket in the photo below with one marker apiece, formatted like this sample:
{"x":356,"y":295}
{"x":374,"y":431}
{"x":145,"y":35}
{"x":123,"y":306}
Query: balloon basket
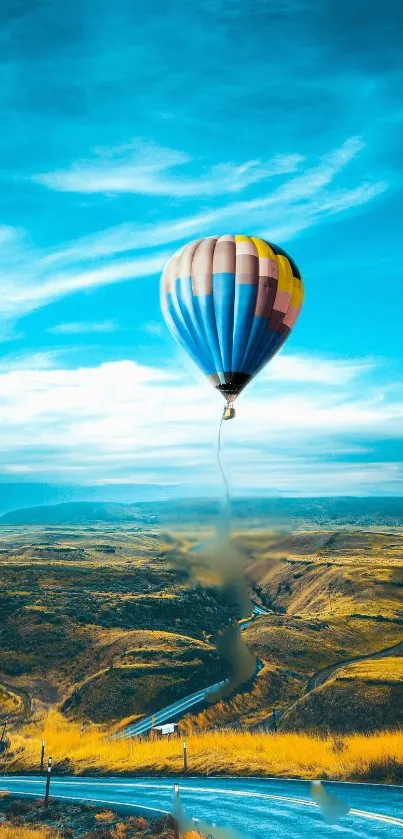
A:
{"x":229,"y":412}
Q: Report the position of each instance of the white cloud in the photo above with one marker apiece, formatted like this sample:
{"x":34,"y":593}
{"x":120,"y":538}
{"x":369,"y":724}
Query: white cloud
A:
{"x":309,"y":368}
{"x":29,"y":361}
{"x":84,"y":327}
{"x":124,"y":422}
{"x":150,"y":170}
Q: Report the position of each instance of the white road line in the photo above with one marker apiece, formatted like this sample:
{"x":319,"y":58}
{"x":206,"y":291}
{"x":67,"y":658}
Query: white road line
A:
{"x":104,"y":801}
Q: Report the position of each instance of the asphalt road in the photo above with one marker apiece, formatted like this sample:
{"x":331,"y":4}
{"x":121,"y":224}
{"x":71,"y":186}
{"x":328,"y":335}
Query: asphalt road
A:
{"x":255,"y":808}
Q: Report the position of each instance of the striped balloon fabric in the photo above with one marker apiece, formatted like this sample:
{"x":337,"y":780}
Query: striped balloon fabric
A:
{"x":231,"y":301}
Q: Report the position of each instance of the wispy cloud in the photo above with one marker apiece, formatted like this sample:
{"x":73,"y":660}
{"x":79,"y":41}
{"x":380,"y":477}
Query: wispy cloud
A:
{"x":128,"y":251}
{"x":150,"y":170}
{"x":301,"y":202}
{"x":20,"y":297}
{"x":84,"y":327}
{"x":8,"y":235}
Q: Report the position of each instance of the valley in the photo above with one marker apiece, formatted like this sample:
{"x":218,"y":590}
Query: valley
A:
{"x":105,"y":622}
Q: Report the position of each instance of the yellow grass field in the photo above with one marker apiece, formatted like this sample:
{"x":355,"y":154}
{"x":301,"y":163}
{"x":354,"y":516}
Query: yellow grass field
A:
{"x":373,"y":757}
{"x":14,"y":832}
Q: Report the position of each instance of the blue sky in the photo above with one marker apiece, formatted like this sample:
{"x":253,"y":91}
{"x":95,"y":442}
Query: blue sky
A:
{"x":129,"y":129}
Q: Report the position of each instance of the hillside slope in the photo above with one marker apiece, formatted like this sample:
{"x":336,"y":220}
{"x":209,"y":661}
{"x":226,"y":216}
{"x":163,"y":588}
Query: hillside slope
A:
{"x":102,"y":608}
{"x":360,"y":697}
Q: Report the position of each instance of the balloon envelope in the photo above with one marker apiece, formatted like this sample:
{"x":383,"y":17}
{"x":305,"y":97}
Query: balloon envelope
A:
{"x":231,"y":301}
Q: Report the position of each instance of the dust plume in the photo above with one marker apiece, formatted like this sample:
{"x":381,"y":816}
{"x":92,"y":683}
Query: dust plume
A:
{"x":332,"y":808}
{"x":219,"y":564}
{"x":187,"y":825}
{"x":240,"y":660}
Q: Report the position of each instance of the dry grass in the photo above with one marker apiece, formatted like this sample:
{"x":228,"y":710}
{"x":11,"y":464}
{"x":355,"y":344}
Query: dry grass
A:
{"x":226,"y":752}
{"x":308,"y":646}
{"x":378,"y":670}
{"x":273,"y":686}
{"x":14,"y":832}
{"x":9,"y":701}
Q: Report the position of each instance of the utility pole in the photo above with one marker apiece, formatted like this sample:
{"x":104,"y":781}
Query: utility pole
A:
{"x":274,"y":720}
{"x":42,"y":755}
{"x":185,"y":757}
{"x":50,"y":761}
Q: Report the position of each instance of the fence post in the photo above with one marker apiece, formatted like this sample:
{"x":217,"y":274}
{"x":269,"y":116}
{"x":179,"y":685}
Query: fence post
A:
{"x":3,"y":733}
{"x":48,"y":781}
{"x":185,"y":757}
{"x":176,"y":822}
{"x":42,"y":755}
{"x":274,"y":720}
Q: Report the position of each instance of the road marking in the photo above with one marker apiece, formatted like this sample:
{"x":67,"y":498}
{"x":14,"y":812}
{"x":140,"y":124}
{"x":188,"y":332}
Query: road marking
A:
{"x":104,"y":801}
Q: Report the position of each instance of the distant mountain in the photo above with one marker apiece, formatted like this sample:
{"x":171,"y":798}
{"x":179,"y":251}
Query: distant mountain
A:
{"x":255,"y":512}
{"x":14,"y":495}
{"x":82,"y":512}
{"x":317,"y":512}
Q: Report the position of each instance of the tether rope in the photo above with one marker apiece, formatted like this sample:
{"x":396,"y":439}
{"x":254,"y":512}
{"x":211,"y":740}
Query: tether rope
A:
{"x":227,"y":496}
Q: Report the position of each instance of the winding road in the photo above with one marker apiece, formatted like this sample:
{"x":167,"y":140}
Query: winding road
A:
{"x":251,"y":807}
{"x":322,"y":676}
{"x":171,"y":712}
{"x":255,"y":808}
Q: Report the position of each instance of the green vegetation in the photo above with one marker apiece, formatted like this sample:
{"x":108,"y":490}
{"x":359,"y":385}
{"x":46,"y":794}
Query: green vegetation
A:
{"x":333,"y":596}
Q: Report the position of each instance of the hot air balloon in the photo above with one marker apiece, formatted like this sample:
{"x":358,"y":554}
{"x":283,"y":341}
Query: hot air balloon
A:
{"x":231,"y":301}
